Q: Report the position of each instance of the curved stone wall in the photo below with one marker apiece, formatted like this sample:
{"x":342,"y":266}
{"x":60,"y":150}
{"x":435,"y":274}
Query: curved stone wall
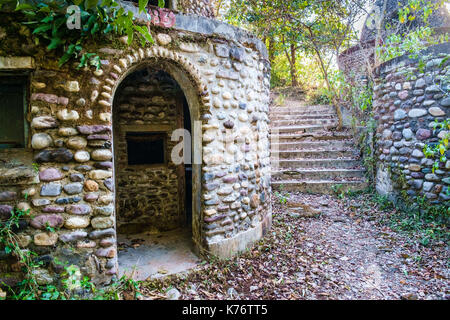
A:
{"x":70,"y":186}
{"x":409,"y":96}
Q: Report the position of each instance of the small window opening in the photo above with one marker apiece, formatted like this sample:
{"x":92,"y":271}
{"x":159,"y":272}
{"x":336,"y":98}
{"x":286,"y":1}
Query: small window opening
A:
{"x":12,"y":112}
{"x":145,"y":148}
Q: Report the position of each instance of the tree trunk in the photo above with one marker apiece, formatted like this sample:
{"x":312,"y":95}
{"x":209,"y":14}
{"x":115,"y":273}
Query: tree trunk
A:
{"x":271,"y":50}
{"x":293,"y":67}
{"x":334,"y":99}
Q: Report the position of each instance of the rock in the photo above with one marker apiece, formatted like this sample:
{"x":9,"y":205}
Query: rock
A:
{"x":109,"y":184}
{"x":67,"y":132}
{"x":40,"y":202}
{"x":222,"y":51}
{"x":106,"y":252}
{"x":45,"y":239}
{"x":50,"y":220}
{"x":254,"y":201}
{"x":77,"y":143}
{"x":407,"y":134}
{"x":8,"y":195}
{"x":403,"y":94}
{"x":228,"y":124}
{"x":163,"y":39}
{"x":417,"y":184}
{"x":5,"y":211}
{"x":41,"y":141}
{"x":101,"y":154}
{"x":416,"y":113}
{"x":65,"y":115}
{"x":445,"y":102}
{"x":72,"y":86}
{"x":102,"y":223}
{"x":173,"y":294}
{"x":50,"y":174}
{"x":44,"y":122}
{"x":420,"y":83}
{"x":436,"y":112}
{"x":76,"y":177}
{"x":73,"y":236}
{"x":82,"y":156}
{"x":98,"y":234}
{"x":90,"y":197}
{"x":237,"y":54}
{"x":399,"y":114}
{"x":427,"y":186}
{"x":100,"y":174}
{"x":417,"y":153}
{"x":53,"y":209}
{"x":42,"y":276}
{"x":423,"y":134}
{"x":432,"y":177}
{"x":51,"y":190}
{"x":104,"y":211}
{"x":60,"y":155}
{"x":91,"y":185}
{"x":76,"y":223}
{"x":87,"y":130}
{"x":73,"y":188}
{"x":79,"y":209}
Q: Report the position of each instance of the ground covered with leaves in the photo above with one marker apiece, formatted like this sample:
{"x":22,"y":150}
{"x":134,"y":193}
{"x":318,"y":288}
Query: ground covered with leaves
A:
{"x":328,"y":248}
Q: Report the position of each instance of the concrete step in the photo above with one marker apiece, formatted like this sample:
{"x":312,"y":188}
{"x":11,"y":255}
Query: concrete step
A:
{"x":302,"y":108}
{"x":303,"y":122}
{"x":300,"y":129}
{"x":275,"y":116}
{"x":315,"y":145}
{"x":311,"y":136}
{"x":319,"y":174}
{"x":319,"y":186}
{"x":314,"y":154}
{"x":346,"y":163}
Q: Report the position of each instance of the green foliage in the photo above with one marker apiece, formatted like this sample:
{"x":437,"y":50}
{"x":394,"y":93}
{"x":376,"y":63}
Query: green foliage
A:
{"x":439,"y":150}
{"x":74,"y":285}
{"x":424,"y":222}
{"x":48,"y":21}
{"x":279,"y":101}
{"x":282,"y":197}
{"x":402,"y":40}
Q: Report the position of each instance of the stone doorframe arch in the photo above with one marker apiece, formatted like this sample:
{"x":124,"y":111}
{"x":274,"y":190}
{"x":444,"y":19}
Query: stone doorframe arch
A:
{"x":189,"y":79}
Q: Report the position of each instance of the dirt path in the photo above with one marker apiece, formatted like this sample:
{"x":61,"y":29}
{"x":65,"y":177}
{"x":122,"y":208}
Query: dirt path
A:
{"x":338,"y":254}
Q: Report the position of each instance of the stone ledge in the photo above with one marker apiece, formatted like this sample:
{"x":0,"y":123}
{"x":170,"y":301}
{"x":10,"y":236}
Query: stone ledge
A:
{"x":15,"y":63}
{"x":227,"y":248}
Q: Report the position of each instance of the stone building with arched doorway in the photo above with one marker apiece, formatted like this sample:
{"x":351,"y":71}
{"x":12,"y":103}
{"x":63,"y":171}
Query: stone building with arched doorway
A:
{"x":94,"y":154}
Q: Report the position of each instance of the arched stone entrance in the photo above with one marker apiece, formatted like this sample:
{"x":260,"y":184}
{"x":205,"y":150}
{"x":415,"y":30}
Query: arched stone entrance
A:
{"x":157,"y":185}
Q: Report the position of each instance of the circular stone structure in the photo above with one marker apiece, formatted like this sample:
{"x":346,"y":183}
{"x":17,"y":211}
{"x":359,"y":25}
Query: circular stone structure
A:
{"x":96,"y":174}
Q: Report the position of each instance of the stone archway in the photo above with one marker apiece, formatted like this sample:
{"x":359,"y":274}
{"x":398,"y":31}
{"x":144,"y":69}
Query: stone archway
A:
{"x":194,"y":92}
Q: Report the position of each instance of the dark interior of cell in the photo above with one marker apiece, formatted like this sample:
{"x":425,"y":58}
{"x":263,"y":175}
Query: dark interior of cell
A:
{"x":145,"y":148}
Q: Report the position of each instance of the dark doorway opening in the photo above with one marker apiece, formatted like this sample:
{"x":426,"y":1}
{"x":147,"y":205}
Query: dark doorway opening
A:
{"x":153,"y":192}
{"x":188,"y":167}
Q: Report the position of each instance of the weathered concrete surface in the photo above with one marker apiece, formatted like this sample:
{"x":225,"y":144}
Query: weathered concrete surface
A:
{"x":156,"y":254}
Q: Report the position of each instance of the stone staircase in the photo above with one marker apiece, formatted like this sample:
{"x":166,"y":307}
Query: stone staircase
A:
{"x":308,"y":156}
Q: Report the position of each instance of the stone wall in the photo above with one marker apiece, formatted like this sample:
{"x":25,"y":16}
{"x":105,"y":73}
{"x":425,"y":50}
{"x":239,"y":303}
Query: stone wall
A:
{"x":147,"y":195}
{"x":224,"y":74}
{"x":407,"y":101}
{"x":203,"y":8}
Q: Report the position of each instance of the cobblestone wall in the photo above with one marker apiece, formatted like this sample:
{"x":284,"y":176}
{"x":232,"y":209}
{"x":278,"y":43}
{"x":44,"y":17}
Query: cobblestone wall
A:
{"x":410,"y":95}
{"x":69,"y":111}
